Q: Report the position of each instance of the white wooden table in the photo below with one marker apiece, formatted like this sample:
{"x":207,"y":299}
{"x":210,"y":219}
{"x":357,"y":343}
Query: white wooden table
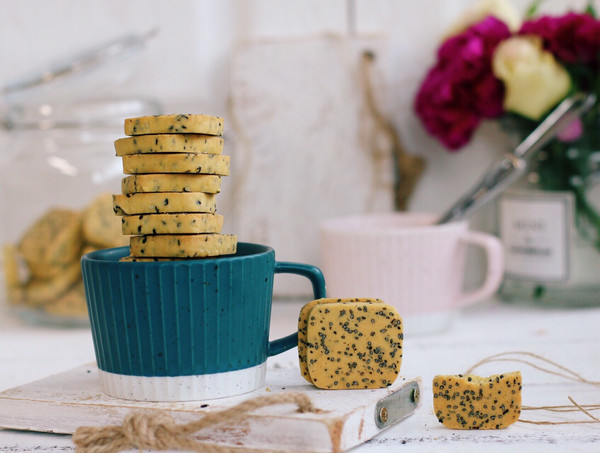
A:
{"x":570,"y":337}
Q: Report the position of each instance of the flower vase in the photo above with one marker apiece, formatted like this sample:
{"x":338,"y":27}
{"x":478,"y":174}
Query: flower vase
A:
{"x":552,"y":237}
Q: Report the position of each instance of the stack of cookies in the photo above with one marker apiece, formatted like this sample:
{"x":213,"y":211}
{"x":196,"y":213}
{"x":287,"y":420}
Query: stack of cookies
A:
{"x":168,"y":204}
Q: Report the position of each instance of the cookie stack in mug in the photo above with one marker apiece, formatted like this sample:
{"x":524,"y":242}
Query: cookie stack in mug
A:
{"x":168,"y":205}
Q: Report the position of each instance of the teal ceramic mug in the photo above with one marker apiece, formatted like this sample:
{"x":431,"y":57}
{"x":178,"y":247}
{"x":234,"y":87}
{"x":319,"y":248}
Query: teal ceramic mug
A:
{"x":188,"y":329}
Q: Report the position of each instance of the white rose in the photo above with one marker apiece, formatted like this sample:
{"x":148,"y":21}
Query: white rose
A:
{"x":500,"y":9}
{"x":533,"y":79}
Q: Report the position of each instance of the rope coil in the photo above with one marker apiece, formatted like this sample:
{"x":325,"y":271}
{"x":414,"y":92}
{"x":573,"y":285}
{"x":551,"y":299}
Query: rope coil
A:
{"x":159,"y":431}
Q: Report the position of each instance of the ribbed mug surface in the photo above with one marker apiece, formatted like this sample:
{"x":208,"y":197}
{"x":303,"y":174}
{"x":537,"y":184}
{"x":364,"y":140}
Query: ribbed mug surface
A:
{"x":175,"y":318}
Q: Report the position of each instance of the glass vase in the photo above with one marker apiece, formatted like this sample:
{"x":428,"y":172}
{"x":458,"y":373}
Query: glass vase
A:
{"x":549,"y":224}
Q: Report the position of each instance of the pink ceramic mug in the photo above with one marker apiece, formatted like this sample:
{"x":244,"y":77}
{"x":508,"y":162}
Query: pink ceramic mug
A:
{"x":407,"y":261}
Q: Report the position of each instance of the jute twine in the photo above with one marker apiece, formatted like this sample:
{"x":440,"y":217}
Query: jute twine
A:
{"x":157,"y":430}
{"x":549,"y":367}
{"x":408,"y":167}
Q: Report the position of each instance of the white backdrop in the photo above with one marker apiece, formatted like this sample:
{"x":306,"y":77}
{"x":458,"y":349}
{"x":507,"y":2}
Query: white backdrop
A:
{"x":188,"y":67}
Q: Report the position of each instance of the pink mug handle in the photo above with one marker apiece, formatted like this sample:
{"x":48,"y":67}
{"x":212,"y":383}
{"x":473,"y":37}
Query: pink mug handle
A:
{"x":495,"y":267}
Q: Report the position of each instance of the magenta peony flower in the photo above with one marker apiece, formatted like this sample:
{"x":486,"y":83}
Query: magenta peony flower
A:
{"x":572,"y":38}
{"x":461,"y":90}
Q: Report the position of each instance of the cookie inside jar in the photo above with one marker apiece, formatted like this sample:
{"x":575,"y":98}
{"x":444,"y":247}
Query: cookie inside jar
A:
{"x":42,"y":274}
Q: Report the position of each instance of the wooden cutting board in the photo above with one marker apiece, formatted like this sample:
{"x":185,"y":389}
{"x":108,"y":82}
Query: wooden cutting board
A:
{"x":347,"y":418}
{"x":304,"y":143}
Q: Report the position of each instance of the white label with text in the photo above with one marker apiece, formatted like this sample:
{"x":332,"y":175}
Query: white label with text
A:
{"x":534,"y":226}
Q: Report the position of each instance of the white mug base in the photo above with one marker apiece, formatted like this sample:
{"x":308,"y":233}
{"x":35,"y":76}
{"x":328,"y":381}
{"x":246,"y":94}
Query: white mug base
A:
{"x":182,"y":388}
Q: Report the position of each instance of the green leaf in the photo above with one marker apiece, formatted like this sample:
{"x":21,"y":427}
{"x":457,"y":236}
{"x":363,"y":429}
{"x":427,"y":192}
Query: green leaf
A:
{"x":590,"y":8}
{"x":533,"y":9}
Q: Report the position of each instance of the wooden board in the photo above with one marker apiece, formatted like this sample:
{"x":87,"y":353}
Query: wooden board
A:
{"x":304,"y":144}
{"x":347,"y":418}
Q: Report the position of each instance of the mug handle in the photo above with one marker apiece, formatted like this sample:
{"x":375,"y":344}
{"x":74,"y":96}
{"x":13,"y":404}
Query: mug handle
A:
{"x":495,"y":266}
{"x":314,"y":274}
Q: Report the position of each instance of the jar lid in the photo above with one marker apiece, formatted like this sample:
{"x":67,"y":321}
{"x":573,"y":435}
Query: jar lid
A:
{"x":42,"y":83}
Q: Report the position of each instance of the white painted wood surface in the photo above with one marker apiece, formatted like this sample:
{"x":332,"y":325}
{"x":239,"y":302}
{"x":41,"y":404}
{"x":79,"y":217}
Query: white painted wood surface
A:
{"x":570,"y":337}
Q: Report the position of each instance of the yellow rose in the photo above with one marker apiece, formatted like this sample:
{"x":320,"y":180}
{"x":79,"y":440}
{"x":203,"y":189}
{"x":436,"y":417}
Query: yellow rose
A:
{"x":500,"y":9}
{"x":533,"y":79}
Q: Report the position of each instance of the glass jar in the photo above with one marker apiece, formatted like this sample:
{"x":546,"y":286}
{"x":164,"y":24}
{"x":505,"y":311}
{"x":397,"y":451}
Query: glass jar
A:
{"x":552,"y":237}
{"x":58,"y":173}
